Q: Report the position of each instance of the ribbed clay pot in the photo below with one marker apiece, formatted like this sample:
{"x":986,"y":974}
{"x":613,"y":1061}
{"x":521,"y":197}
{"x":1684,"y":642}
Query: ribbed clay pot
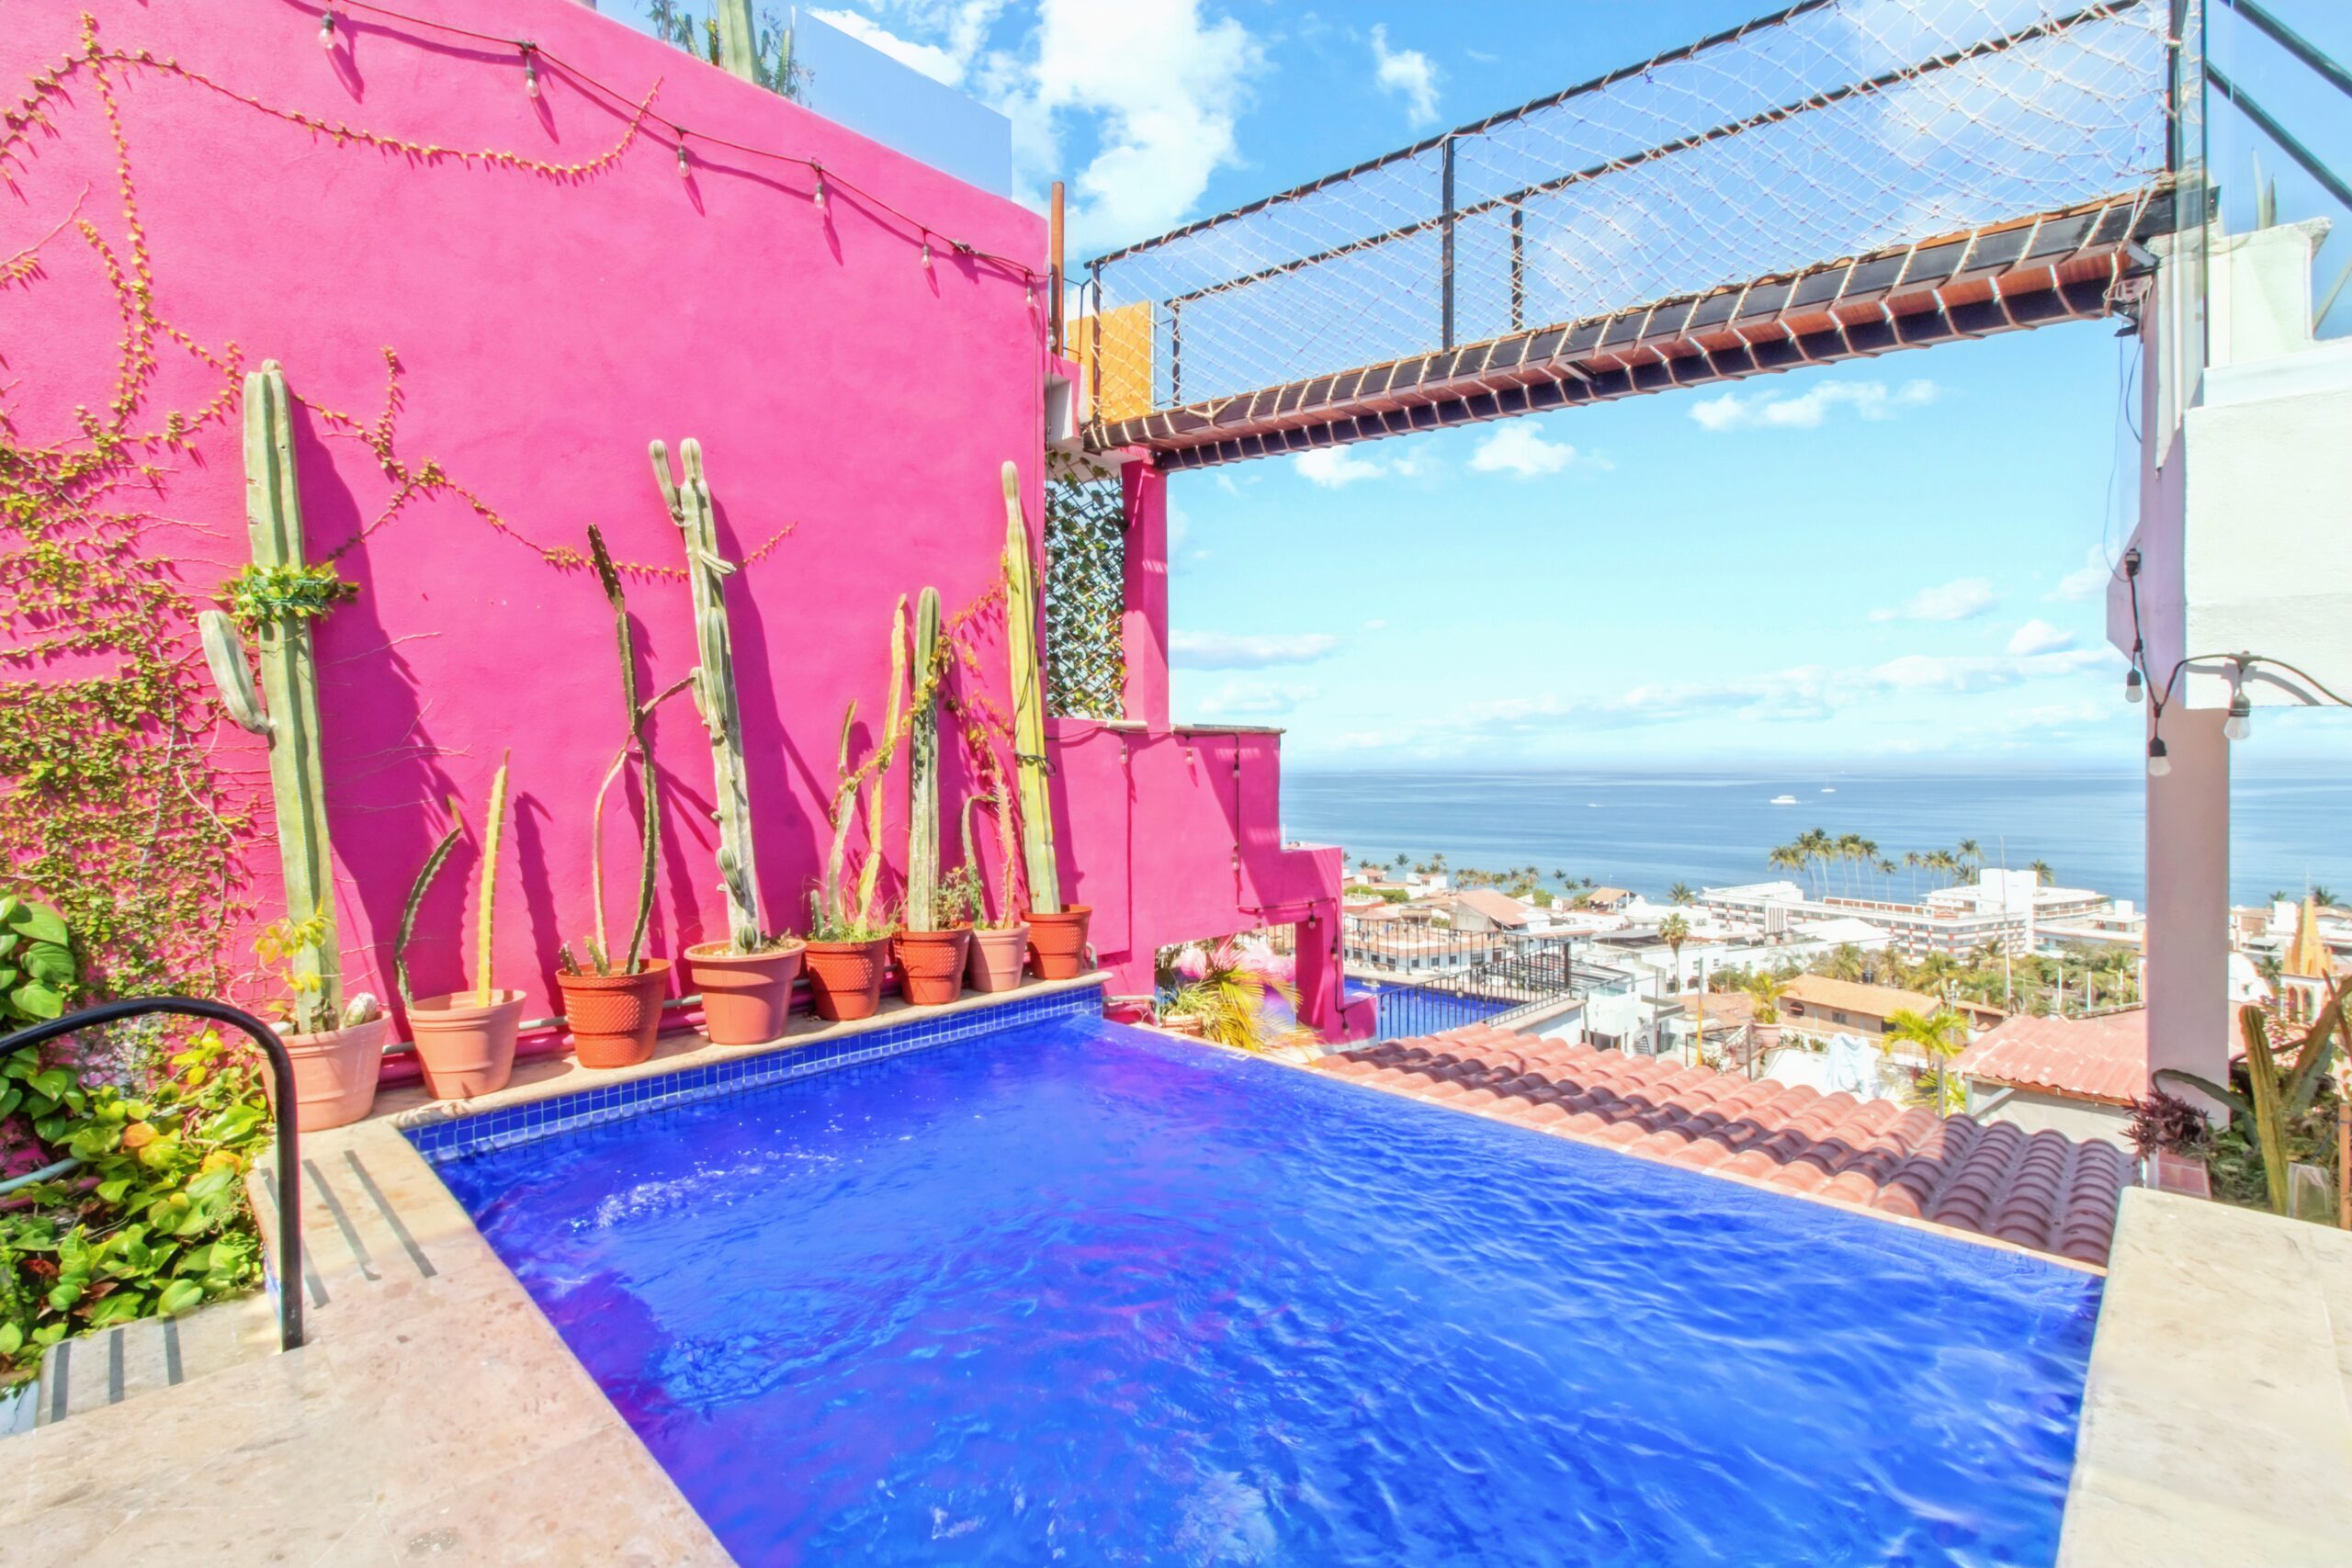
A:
{"x":614,"y":1018}
{"x":845,"y":977}
{"x":465,"y":1047}
{"x":931,"y":965}
{"x":997,"y":959}
{"x":334,"y":1072}
{"x":1057,"y":943}
{"x":745,"y":996}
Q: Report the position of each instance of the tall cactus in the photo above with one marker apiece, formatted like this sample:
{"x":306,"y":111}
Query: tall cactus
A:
{"x":1028,"y":705}
{"x":649,"y":834}
{"x":922,"y":771}
{"x":869,"y":873}
{"x":289,"y":681}
{"x":494,"y":837}
{"x":688,"y":500}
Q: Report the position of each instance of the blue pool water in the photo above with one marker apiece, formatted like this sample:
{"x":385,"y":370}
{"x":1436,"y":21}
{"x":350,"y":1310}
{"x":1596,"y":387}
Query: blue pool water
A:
{"x":1077,"y":1293}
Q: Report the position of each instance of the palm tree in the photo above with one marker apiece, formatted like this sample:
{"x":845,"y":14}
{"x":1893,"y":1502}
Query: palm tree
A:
{"x":1768,"y":988}
{"x":1968,"y":850}
{"x":1939,"y":1036}
{"x":2323,"y":898}
{"x":1674,"y":931}
{"x":1680,"y":894}
{"x":2042,"y":874}
{"x":1402,"y":860}
{"x":1843,"y":962}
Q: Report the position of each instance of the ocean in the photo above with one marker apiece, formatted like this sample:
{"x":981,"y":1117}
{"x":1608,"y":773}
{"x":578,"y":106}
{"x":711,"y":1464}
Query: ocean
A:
{"x":2290,"y":824}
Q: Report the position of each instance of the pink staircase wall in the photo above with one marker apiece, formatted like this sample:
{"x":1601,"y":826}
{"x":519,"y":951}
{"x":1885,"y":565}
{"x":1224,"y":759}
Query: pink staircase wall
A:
{"x":536,"y":330}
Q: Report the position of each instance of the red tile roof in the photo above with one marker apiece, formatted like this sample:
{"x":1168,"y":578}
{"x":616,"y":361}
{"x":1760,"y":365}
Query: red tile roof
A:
{"x":2041,"y":1190}
{"x":2103,"y":1059}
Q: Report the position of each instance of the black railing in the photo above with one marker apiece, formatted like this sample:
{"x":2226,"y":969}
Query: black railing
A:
{"x":1432,"y":977}
{"x":281,"y":1076}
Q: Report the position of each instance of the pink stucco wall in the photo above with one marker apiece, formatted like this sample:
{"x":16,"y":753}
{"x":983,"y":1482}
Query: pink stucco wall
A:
{"x":855,"y":409}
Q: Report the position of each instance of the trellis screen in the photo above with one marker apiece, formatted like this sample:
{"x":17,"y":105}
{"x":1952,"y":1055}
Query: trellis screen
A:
{"x":1086,"y":593}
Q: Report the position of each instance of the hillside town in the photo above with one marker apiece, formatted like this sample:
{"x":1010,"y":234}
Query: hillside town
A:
{"x":1997,"y":992}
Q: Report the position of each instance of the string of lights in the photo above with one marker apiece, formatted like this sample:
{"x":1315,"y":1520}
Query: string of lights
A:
{"x":824,"y":181}
{"x":2239,"y":722}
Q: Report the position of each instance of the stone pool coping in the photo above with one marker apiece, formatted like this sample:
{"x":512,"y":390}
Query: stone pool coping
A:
{"x":432,"y":1414}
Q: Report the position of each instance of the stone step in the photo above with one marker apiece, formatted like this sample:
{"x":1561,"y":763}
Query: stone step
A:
{"x":131,"y":1359}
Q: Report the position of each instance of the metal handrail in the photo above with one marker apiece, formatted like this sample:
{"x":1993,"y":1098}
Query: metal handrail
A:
{"x":281,"y":1072}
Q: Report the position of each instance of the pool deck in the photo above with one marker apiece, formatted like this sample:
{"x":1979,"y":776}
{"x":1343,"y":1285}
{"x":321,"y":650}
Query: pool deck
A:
{"x":433,"y":1415}
{"x":2217,"y":1422}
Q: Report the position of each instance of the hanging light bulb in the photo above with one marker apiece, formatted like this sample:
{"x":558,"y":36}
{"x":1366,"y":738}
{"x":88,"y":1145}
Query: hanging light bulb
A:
{"x":685,"y":165}
{"x":926,"y":253}
{"x":2134,"y":691}
{"x":2239,"y":724}
{"x":530,"y":73}
{"x":2159,"y":761}
{"x":1033,"y":296}
{"x":818,"y":196}
{"x":326,"y":30}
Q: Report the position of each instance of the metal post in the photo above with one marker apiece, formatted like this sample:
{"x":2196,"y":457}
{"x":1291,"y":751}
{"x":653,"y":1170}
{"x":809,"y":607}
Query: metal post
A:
{"x":1054,"y":267}
{"x":1518,"y":267}
{"x":1445,"y":196}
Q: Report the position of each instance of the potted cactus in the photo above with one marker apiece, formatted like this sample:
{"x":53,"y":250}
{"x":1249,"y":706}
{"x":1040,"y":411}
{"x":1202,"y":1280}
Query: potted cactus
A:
{"x":337,"y":1046}
{"x":613,"y":1001}
{"x":745,"y":981}
{"x":932,"y":941}
{"x":1056,"y":935}
{"x":999,"y":938}
{"x":465,"y":1039}
{"x":849,"y":936}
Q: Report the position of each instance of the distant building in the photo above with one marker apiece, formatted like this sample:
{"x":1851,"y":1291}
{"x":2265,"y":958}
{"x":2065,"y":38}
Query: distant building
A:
{"x":2076,"y":1076}
{"x":2001,"y":909}
{"x":1484,"y":910}
{"x":1818,"y":1006}
{"x":2307,"y":970}
{"x":1609,"y":900}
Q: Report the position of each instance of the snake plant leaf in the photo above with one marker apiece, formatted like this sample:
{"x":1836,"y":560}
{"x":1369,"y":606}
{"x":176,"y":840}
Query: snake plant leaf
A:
{"x":2204,"y":1086}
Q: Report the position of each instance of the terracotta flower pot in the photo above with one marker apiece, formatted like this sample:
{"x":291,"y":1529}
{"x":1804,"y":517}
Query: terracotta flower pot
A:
{"x":466,"y":1048}
{"x":1057,"y":943}
{"x":998,"y":958}
{"x":931,"y":965}
{"x":745,"y":996}
{"x":845,"y":977}
{"x":614,"y":1018}
{"x":334,"y":1074}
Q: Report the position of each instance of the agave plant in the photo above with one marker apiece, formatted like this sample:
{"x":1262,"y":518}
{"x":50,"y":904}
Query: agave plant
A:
{"x":2278,"y":1091}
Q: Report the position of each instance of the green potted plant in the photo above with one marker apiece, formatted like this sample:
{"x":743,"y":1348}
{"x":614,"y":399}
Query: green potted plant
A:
{"x":613,"y":1001}
{"x":999,"y":938}
{"x":746,"y":980}
{"x":848,"y":934}
{"x":930,"y":943}
{"x":465,"y":1039}
{"x":337,"y":1047}
{"x":1056,"y":934}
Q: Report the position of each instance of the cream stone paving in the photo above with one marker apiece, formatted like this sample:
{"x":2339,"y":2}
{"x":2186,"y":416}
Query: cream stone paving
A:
{"x":2217,"y":1421}
{"x":433,"y":1415}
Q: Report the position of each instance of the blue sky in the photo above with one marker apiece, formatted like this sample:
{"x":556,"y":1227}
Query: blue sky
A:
{"x":1898,"y":559}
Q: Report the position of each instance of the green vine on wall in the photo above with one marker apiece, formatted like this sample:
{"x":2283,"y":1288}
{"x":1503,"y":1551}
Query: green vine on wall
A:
{"x":261,"y":594}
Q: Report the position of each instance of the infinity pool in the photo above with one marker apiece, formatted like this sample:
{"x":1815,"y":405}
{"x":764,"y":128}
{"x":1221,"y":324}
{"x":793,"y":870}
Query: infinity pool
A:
{"x":1073,"y":1292}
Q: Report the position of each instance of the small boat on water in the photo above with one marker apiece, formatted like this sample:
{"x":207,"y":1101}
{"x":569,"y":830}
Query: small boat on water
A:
{"x":1782,"y":800}
{"x":1828,"y":789}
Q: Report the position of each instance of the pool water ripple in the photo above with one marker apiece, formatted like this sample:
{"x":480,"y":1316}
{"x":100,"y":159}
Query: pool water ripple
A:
{"x":1082,"y":1294}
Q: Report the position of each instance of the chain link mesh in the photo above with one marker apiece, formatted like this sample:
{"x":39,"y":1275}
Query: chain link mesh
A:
{"x":1086,"y":593}
{"x":1838,"y":129}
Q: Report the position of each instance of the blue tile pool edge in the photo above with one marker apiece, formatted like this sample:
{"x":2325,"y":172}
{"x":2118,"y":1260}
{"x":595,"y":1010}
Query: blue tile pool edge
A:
{"x":453,"y":1136}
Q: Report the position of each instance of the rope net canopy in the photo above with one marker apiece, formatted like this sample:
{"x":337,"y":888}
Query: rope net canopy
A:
{"x":1834,"y":128}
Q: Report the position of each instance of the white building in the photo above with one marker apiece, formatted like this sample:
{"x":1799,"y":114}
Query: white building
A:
{"x":2002,"y":910}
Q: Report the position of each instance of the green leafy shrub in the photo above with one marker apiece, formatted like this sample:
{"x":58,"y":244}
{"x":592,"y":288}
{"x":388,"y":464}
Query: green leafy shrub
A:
{"x":38,"y":974}
{"x":152,"y":1220}
{"x":259,"y":595}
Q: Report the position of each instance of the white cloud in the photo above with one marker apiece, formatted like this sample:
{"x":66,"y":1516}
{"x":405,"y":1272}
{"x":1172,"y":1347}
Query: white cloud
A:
{"x":1520,"y":448}
{"x":1161,"y":88}
{"x":2089,"y":580}
{"x":1963,"y":599}
{"x":1406,"y":72}
{"x":1806,"y":411}
{"x":1375,"y":626}
{"x":1213,"y":650}
{"x":1254,"y":696}
{"x":1329,"y":468}
{"x":939,"y":64}
{"x":2040,"y":636}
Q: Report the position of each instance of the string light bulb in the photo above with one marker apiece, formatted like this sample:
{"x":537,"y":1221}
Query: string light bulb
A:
{"x":926,"y":253}
{"x":530,"y":73}
{"x":685,"y":165}
{"x":2159,"y":761}
{"x":326,"y":29}
{"x":818,"y":196}
{"x":2134,"y":690}
{"x":2239,"y":724}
